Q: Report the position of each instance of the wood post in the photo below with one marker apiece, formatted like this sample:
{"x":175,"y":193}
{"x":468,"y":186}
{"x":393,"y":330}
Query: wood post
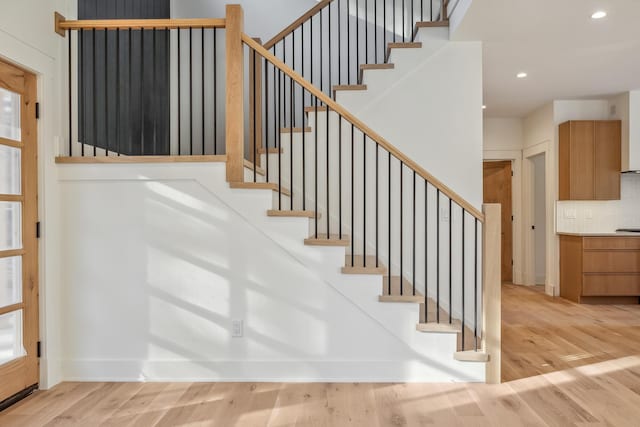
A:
{"x":235,"y":93}
{"x":255,"y":105}
{"x":492,"y":290}
{"x":444,"y":12}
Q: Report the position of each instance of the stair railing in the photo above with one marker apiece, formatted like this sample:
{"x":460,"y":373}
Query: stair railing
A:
{"x":363,"y":193}
{"x":144,"y":88}
{"x":335,"y":40}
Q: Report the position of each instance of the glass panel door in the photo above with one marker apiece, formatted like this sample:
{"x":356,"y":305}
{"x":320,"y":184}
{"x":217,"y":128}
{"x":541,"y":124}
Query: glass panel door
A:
{"x":18,"y":244}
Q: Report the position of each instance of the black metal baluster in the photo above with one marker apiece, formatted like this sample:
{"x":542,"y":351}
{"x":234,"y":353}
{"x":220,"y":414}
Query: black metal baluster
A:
{"x":414,"y":233}
{"x":292,"y":124}
{"x":475,"y":286}
{"x":255,"y":117}
{"x":394,"y":20}
{"x":421,"y":10}
{"x":153,"y":94}
{"x":375,"y":30}
{"x":95,"y":96}
{"x":69,"y":34}
{"x":463,"y":278}
{"x":316,"y":166}
{"x":340,"y":176}
{"x":329,"y":58}
{"x":279,"y":130}
{"x":353,"y":229}
{"x":401,"y":229}
{"x":340,"y":44}
{"x":82,"y":92}
{"x":321,"y":61}
{"x":450,"y":262}
{"x":293,"y":117}
{"x":349,"y":42}
{"x":377,"y":205}
{"x":426,"y":252}
{"x":179,"y":92}
{"x":389,"y":228}
{"x":130,"y":85}
{"x":404,"y":18}
{"x":203,"y":92}
{"x":266,"y":117}
{"x":364,"y":198}
{"x":328,"y":183}
{"x":215,"y":93}
{"x":302,"y":116}
{"x":190,"y":91}
{"x":106,"y":93}
{"x":357,"y":36}
{"x":438,"y":256}
{"x":366,"y":31}
{"x":142,"y":109}
{"x":118,"y":90}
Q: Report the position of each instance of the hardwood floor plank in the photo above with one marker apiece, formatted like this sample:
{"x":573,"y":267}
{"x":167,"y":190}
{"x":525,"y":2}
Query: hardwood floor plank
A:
{"x":566,"y":365}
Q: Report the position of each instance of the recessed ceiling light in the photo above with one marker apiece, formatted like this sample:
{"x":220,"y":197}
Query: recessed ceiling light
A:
{"x":599,"y":14}
{"x":521,"y":75}
{"x":484,"y":107}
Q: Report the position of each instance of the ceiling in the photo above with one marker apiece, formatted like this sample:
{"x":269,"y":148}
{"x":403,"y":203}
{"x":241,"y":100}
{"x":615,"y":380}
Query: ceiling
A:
{"x":566,"y":54}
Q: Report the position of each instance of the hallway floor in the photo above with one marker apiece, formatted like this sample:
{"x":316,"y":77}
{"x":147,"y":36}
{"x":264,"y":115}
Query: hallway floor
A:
{"x":564,"y":365}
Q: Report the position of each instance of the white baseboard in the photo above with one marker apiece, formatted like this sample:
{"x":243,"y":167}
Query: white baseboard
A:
{"x":263,"y":371}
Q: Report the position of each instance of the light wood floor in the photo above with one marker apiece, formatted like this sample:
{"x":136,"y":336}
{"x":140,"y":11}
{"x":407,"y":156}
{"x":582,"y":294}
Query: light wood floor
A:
{"x":566,"y":365}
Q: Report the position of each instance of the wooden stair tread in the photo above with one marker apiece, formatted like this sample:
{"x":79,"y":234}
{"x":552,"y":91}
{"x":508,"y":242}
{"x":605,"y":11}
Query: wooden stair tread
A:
{"x":359,"y":267}
{"x":440,"y":328}
{"x":405,"y":45}
{"x":383,"y":66}
{"x":471,"y":356}
{"x":333,"y":240}
{"x":295,"y":130}
{"x":427,"y":24}
{"x":364,"y":67}
{"x":349,"y":87}
{"x":312,"y":109}
{"x":395,"y":296}
{"x":293,"y":214}
{"x":249,"y":165}
{"x":272,"y":150}
{"x":259,"y":186}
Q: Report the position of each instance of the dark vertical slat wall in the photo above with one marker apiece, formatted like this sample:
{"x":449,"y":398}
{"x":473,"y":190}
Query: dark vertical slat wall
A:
{"x":124,"y":80}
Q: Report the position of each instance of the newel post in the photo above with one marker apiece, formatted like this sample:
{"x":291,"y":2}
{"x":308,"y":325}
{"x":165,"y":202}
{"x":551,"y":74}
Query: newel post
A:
{"x":492,"y":290}
{"x":235,"y":93}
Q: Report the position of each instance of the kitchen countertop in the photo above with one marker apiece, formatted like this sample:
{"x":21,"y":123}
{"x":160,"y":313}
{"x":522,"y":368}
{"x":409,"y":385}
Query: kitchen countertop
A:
{"x":603,"y":234}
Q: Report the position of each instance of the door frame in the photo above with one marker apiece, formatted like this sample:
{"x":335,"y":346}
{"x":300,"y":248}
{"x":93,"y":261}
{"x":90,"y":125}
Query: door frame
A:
{"x":516,"y":200}
{"x":528,"y":184}
{"x":22,"y":374}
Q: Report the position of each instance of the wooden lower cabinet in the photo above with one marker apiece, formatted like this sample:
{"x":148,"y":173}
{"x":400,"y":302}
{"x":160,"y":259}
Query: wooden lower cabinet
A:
{"x":600,"y":270}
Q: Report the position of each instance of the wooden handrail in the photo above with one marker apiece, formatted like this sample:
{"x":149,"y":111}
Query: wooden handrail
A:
{"x":61,"y":24}
{"x":362,"y":127}
{"x":295,"y":24}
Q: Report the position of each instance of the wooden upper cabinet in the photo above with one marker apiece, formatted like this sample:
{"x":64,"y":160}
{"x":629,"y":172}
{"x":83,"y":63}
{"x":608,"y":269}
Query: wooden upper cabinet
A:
{"x":589,"y":160}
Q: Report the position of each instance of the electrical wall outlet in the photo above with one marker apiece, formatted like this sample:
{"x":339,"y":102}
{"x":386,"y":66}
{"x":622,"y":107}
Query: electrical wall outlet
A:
{"x":236,"y":328}
{"x":588,"y":214}
{"x":570,"y":214}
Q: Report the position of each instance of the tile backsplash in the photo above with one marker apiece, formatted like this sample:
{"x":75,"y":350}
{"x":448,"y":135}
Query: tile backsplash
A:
{"x":601,"y":217}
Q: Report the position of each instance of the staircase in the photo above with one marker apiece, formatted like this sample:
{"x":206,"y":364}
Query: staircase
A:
{"x":339,"y":198}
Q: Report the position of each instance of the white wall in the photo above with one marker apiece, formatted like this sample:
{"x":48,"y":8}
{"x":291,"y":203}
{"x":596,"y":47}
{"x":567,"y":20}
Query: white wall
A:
{"x":502,"y":134}
{"x":27,"y":40}
{"x":181,"y":255}
{"x":430,"y":107}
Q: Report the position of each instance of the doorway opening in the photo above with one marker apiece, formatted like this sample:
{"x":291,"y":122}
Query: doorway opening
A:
{"x":497,"y":188}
